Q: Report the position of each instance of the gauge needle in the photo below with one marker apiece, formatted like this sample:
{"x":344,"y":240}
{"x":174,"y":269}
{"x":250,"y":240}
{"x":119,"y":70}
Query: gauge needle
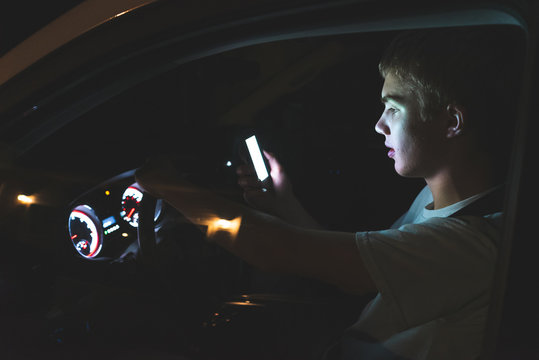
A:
{"x":131,"y":213}
{"x":74,"y":236}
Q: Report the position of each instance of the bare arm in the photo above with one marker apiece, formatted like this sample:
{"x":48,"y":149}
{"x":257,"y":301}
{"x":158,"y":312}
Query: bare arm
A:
{"x":325,"y":255}
{"x":264,"y":240}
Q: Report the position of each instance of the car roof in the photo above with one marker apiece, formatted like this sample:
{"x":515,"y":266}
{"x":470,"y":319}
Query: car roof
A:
{"x":91,"y":14}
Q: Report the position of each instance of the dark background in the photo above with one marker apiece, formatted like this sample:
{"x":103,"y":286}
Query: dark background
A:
{"x":21,"y":18}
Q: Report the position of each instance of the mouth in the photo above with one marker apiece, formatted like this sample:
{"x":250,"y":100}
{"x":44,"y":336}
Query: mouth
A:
{"x":391,"y":152}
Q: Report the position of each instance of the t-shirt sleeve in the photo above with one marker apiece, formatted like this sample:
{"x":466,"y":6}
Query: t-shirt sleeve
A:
{"x":430,"y":269}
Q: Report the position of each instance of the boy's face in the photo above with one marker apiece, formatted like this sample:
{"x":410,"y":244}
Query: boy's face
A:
{"x":415,"y":145}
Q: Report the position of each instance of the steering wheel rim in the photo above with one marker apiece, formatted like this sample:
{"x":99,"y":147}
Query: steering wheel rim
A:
{"x":146,"y":231}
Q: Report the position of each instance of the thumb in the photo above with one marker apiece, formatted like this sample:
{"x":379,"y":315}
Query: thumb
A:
{"x":273,"y":162}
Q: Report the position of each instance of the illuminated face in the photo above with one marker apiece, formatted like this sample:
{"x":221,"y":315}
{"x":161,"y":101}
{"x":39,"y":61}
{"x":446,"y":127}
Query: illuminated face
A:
{"x":415,"y":145}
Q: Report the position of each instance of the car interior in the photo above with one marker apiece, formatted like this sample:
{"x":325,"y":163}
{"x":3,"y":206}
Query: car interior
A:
{"x":75,"y":268}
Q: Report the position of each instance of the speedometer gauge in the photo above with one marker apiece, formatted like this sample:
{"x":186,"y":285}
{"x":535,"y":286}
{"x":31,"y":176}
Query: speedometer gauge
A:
{"x":85,"y":231}
{"x":130,"y":205}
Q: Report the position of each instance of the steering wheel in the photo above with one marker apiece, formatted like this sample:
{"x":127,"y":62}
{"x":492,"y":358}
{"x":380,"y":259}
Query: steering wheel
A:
{"x":146,"y":231}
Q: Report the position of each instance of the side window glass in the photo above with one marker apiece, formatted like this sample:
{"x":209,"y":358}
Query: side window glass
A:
{"x":313,"y":102}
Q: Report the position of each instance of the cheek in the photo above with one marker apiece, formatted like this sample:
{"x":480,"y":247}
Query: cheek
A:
{"x":412,"y":144}
{"x":405,"y":138}
{"x":424,"y":146}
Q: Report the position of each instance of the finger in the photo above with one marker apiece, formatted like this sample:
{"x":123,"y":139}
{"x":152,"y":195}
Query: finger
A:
{"x":275,"y":165}
{"x":268,"y":155}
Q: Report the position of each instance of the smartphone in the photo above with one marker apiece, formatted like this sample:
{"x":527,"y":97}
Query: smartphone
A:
{"x":257,"y":158}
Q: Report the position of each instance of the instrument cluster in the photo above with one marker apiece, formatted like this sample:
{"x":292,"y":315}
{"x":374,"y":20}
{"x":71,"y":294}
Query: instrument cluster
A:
{"x":103,"y":222}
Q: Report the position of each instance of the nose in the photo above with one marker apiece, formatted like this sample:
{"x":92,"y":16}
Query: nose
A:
{"x":381,"y":126}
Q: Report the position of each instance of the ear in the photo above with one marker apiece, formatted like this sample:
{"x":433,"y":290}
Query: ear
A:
{"x":456,"y":115}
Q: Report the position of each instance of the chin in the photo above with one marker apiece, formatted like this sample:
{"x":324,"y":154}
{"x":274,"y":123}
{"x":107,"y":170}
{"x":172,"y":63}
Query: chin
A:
{"x":404,"y":172}
{"x":399,"y":170}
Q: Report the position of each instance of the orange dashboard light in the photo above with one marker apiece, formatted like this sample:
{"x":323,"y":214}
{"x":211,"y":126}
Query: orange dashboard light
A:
{"x":107,"y":192}
{"x":25,"y":199}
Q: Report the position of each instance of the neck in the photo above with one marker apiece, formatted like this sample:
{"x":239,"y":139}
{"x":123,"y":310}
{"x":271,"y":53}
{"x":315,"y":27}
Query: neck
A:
{"x":452,"y":185}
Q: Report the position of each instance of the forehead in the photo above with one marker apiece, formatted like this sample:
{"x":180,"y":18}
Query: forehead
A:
{"x":395,"y":89}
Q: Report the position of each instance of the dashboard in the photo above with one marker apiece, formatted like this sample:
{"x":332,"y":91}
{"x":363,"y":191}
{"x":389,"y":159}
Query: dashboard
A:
{"x":103,"y":222}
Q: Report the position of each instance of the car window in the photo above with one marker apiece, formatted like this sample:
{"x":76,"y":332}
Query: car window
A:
{"x":309,"y":100}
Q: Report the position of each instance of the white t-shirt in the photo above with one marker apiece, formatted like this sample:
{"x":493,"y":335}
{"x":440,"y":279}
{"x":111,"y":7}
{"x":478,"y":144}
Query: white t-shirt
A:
{"x":434,"y":275}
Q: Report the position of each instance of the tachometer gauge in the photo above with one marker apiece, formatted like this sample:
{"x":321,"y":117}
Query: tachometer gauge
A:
{"x":130,"y":205}
{"x":85,"y":231}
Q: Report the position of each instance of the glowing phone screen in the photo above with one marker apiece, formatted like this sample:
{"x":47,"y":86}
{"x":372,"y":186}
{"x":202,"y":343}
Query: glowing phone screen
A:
{"x":256,"y":156}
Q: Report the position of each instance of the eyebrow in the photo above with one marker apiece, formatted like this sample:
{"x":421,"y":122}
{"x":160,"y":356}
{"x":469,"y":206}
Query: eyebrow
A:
{"x":396,"y":98}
